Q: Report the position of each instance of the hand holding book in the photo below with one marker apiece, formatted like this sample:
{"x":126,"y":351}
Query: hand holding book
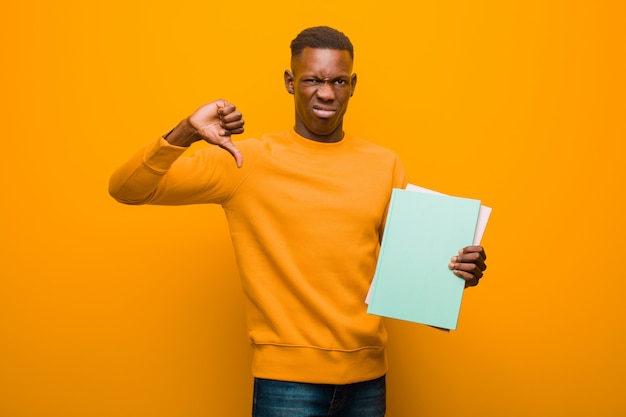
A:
{"x":422,"y":230}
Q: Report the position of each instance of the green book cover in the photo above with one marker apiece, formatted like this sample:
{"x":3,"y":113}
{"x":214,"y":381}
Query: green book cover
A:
{"x":412,"y":280}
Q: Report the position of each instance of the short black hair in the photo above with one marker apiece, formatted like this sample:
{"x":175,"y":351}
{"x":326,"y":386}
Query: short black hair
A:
{"x":321,"y":37}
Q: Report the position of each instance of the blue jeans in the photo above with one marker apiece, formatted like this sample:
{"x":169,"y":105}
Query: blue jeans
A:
{"x":293,"y":399}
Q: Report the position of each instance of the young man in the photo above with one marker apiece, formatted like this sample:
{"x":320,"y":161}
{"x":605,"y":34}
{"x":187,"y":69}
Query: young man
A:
{"x":306,"y":210}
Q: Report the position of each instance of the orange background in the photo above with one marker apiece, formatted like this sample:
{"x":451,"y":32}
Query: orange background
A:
{"x":109,"y":310}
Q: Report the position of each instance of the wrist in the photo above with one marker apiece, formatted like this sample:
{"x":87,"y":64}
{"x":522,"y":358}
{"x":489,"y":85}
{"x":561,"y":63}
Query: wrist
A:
{"x":184,"y":134}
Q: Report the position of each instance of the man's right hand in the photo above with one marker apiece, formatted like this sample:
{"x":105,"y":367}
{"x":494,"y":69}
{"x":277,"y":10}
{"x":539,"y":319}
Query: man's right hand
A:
{"x":214,"y":123}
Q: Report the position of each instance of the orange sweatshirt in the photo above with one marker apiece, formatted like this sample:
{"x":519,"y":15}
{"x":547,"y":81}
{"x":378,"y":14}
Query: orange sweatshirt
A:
{"x":306,"y":220}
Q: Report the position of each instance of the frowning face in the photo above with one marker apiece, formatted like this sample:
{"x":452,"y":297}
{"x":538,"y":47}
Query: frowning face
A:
{"x":322,"y":83}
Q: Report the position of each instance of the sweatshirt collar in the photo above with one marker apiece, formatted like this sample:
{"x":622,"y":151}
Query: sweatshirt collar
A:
{"x":317,"y":146}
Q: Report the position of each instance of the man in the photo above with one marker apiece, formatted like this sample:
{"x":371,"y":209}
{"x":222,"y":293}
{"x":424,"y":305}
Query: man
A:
{"x":306,"y":210}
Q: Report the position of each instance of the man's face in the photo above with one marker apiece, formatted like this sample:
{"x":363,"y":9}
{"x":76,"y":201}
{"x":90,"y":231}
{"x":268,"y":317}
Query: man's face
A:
{"x":322,"y":83}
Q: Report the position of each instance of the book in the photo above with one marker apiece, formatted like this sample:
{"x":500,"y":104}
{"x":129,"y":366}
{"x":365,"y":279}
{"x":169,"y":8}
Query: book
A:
{"x":412,"y":281}
{"x":483,"y":213}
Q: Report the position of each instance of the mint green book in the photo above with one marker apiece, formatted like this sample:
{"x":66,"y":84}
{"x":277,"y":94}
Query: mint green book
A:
{"x":412,"y":281}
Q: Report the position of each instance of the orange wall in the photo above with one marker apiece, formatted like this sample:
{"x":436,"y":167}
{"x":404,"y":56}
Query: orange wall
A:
{"x":108,"y":310}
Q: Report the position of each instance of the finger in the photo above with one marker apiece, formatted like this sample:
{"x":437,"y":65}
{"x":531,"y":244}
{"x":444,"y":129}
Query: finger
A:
{"x":470,"y":259}
{"x":229,"y":132}
{"x":231,"y":122}
{"x":471,"y":283}
{"x":224,"y":106}
{"x":235,"y":116}
{"x":226,"y":110}
{"x":470,"y":279}
{"x":467,"y":266}
{"x":467,"y":269}
{"x":474,"y":249}
{"x":472,"y":254}
{"x":235,"y":126}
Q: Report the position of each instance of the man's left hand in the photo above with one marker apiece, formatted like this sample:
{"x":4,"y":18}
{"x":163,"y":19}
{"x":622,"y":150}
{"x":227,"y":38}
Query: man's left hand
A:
{"x":469,"y":264}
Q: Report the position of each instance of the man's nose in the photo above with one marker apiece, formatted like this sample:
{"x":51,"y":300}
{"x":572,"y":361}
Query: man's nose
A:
{"x":325,"y":91}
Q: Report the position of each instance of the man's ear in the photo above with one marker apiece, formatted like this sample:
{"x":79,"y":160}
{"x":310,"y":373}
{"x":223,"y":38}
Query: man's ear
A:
{"x":353,"y":84}
{"x":288,"y":76}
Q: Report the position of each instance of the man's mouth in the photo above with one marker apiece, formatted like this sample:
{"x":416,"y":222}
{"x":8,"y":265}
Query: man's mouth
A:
{"x":324,"y":113}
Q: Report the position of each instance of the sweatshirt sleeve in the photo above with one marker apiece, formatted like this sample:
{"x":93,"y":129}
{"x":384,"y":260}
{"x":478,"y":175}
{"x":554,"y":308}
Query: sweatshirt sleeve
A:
{"x":160,"y":173}
{"x":136,"y":181}
{"x":399,"y":180}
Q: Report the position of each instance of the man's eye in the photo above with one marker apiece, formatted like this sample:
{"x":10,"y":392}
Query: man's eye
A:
{"x":341,"y":82}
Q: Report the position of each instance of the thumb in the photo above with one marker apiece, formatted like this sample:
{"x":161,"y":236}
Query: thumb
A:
{"x":229,"y":146}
